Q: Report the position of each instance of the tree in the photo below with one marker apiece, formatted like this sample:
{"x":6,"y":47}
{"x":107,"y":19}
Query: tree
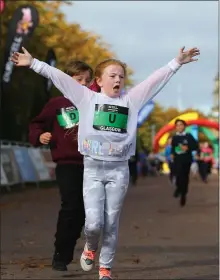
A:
{"x":26,"y":95}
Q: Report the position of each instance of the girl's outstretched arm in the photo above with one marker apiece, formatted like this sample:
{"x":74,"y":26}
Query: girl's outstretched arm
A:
{"x":143,"y":92}
{"x":70,"y":88}
{"x":149,"y":88}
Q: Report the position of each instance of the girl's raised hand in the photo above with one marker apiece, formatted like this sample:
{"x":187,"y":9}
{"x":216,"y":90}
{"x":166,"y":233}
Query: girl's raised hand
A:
{"x":22,"y":59}
{"x":187,"y":56}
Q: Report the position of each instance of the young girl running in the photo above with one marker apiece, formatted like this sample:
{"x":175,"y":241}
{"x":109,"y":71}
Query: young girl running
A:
{"x":107,"y":139}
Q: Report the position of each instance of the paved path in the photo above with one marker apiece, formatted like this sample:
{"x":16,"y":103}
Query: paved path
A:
{"x":158,"y":239}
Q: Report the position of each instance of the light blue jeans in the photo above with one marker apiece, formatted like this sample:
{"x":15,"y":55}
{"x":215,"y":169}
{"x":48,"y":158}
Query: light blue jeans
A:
{"x":104,"y":188}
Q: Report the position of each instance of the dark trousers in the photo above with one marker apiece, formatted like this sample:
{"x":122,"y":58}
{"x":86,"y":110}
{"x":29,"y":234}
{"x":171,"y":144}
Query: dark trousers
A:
{"x":182,"y":171}
{"x":209,"y":167}
{"x":71,"y":216}
{"x":203,"y":169}
{"x":172,"y":173}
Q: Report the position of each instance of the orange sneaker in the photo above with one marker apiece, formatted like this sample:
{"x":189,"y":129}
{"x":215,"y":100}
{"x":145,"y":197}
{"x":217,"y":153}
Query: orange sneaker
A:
{"x":87,"y":259}
{"x":105,"y":273}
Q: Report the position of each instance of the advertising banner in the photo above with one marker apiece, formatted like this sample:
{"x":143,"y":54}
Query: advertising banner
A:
{"x":9,"y":166}
{"x":49,"y":163}
{"x":25,"y":164}
{"x":2,"y":5}
{"x":4,"y":180}
{"x":39,"y":164}
{"x":21,"y":26}
{"x":145,"y":112}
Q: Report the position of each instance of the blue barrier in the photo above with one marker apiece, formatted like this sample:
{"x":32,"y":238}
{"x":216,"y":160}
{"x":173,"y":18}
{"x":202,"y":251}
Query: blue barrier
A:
{"x":25,"y":165}
{"x":10,"y":167}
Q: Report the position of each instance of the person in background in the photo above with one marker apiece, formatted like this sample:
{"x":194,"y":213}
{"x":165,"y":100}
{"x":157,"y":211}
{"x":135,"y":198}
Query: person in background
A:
{"x":133,"y":168}
{"x":206,"y":159}
{"x":169,"y":160}
{"x":57,"y":125}
{"x":212,"y":161}
{"x":194,"y":165}
{"x":159,"y":160}
{"x":154,"y":163}
{"x":143,"y":154}
{"x":183,"y":144}
{"x":199,"y":161}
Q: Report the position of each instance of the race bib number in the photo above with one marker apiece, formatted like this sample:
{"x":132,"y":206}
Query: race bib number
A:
{"x":68,"y":117}
{"x":110,"y":118}
{"x":179,"y":150}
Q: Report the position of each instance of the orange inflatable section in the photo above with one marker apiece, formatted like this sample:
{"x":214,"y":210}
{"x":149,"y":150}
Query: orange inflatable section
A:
{"x":186,"y":117}
{"x":169,"y":127}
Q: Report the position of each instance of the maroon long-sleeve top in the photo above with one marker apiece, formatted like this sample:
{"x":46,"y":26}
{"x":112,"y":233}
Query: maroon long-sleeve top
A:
{"x":60,"y":118}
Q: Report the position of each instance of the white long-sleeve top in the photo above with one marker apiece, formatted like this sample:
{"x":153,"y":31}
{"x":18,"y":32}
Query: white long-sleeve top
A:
{"x":107,"y":126}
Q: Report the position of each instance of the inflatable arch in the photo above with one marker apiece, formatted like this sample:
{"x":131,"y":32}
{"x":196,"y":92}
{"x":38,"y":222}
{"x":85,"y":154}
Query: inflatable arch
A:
{"x":211,"y":136}
{"x":169,"y":127}
{"x":186,"y":117}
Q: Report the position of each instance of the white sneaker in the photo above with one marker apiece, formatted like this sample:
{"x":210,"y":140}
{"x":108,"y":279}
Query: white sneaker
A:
{"x":87,"y":259}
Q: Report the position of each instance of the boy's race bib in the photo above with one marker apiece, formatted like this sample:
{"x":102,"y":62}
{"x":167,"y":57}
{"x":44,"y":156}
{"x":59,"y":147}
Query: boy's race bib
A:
{"x":112,"y":118}
{"x":179,"y":150}
{"x":68,"y":117}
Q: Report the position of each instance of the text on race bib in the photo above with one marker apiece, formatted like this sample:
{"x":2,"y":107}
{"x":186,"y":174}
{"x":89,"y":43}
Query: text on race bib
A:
{"x":68,"y":117}
{"x":112,"y":118}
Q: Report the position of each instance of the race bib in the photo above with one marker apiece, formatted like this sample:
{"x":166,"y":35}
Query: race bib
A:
{"x":205,"y":155}
{"x":68,"y":117}
{"x":179,"y":150}
{"x":110,"y":118}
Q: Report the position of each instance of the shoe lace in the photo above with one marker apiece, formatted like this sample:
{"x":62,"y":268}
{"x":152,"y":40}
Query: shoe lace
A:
{"x":104,"y":272}
{"x":90,"y":255}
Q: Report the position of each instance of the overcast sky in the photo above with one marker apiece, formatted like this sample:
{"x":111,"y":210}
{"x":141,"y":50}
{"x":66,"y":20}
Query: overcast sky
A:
{"x":148,"y":34}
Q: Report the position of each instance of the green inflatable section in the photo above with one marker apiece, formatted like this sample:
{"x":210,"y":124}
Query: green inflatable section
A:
{"x":212,"y":138}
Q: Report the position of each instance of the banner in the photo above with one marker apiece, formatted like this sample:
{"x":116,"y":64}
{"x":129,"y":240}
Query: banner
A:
{"x":145,"y":112}
{"x":25,"y":164}
{"x":21,"y":26}
{"x":39,"y":165}
{"x":2,"y":5}
{"x":123,"y":92}
{"x":9,"y":166}
{"x":4,"y":180}
{"x":46,"y":154}
{"x":51,"y":60}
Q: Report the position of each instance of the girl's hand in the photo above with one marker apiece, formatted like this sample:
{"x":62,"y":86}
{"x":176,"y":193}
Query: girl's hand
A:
{"x":22,"y":59}
{"x":187,"y":56}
